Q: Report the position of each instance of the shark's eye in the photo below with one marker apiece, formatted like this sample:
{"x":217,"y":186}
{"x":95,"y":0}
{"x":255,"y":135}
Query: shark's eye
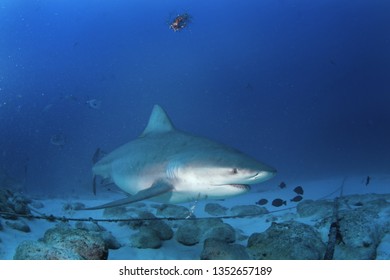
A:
{"x":234,"y":171}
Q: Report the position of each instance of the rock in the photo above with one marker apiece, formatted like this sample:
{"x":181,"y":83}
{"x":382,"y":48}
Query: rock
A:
{"x":13,"y":203}
{"x":286,"y":241}
{"x":18,"y":225}
{"x":20,"y":198}
{"x":188,"y":234}
{"x":320,"y":208}
{"x":360,"y":234}
{"x":360,"y":223}
{"x":376,"y":205}
{"x":240,"y":235}
{"x":89,"y":226}
{"x":191,"y":232}
{"x":146,"y":238}
{"x":383,"y":249}
{"x":5,"y":194}
{"x":165,"y":232}
{"x":35,"y":250}
{"x":73,"y":206}
{"x":288,"y":217}
{"x":63,"y":243}
{"x":10,"y":212}
{"x":88,"y":246}
{"x":163,"y":229}
{"x":115,"y":212}
{"x":138,"y":205}
{"x":21,"y":208}
{"x":248,"y":210}
{"x":367,"y":200}
{"x":151,"y":231}
{"x":172,"y":211}
{"x":223,"y":232}
{"x":215,"y":209}
{"x":110,"y":240}
{"x":37,"y":204}
{"x":214,"y":249}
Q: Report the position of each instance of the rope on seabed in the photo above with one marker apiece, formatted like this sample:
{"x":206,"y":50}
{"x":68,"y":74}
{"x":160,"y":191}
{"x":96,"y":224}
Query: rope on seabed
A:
{"x":52,"y":218}
{"x":334,"y":229}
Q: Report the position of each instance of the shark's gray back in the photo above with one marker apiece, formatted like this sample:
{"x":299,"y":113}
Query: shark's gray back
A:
{"x":159,"y":149}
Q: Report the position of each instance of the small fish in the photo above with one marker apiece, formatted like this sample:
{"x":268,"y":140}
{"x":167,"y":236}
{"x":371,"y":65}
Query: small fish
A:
{"x":297,"y":198}
{"x":47,"y":107}
{"x":282,"y":185}
{"x":278,"y":202}
{"x":94,"y":104}
{"x":71,"y":97}
{"x":249,"y":87}
{"x":368,"y":179}
{"x":331,"y":60}
{"x":58,"y":140}
{"x":298,"y":190}
{"x":262,"y":201}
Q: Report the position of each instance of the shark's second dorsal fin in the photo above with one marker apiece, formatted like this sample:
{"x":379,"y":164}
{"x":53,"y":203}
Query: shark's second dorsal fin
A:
{"x":158,"y":122}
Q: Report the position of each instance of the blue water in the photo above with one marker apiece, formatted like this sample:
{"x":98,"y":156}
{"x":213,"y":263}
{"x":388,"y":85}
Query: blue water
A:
{"x":300,"y":85}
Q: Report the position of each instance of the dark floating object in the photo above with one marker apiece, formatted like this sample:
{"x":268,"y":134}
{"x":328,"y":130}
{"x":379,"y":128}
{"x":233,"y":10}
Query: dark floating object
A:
{"x":298,"y":190}
{"x":58,"y":140}
{"x":94,"y":103}
{"x":278,"y":202}
{"x":368,"y":179}
{"x":180,"y":21}
{"x":282,"y":185}
{"x":297,"y":198}
{"x":98,"y":155}
{"x":262,"y":201}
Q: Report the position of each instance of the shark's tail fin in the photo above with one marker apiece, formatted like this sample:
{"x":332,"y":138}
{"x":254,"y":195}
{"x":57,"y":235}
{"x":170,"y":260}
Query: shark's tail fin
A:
{"x":98,"y":155}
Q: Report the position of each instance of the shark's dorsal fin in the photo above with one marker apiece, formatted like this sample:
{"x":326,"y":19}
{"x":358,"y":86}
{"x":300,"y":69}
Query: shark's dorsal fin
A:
{"x":158,"y":122}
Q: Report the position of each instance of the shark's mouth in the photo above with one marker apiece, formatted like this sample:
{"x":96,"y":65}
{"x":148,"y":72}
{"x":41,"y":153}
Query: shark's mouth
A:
{"x":244,"y":187}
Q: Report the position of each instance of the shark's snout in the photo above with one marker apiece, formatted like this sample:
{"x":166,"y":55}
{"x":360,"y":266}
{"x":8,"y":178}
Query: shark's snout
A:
{"x":263,"y":175}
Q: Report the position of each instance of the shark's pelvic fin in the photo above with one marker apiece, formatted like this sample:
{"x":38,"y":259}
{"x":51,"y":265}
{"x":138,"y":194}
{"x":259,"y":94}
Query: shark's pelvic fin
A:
{"x":158,"y":188}
{"x":158,"y":122}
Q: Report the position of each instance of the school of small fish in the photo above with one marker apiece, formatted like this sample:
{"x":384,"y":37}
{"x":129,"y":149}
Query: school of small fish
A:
{"x":277,"y":202}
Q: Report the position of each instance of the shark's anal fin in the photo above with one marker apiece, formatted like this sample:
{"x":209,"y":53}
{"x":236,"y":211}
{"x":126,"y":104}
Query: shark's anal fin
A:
{"x":158,"y":188}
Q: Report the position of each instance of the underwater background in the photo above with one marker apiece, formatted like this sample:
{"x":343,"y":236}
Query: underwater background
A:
{"x":301,"y":85}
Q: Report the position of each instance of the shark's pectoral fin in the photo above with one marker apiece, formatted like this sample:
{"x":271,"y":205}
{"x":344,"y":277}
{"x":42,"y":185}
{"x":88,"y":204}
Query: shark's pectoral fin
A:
{"x":158,"y":188}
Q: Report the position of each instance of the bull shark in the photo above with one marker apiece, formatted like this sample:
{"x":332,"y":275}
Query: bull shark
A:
{"x":167,"y":165}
